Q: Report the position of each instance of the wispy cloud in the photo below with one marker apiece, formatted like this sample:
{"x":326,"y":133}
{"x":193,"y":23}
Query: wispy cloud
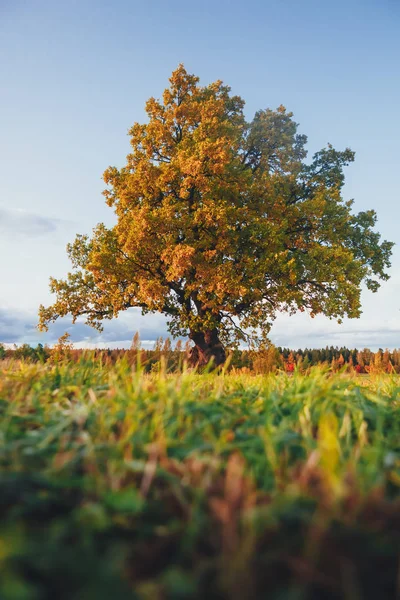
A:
{"x":352,"y":338}
{"x":20,"y":327}
{"x":301,"y":331}
{"x":18,"y":222}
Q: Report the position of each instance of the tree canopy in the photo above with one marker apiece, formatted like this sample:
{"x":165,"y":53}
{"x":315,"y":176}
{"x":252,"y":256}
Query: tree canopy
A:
{"x":221,"y":224}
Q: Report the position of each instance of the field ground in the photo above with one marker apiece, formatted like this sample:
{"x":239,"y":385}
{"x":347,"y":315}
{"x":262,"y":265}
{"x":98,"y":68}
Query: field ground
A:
{"x":118,"y":485}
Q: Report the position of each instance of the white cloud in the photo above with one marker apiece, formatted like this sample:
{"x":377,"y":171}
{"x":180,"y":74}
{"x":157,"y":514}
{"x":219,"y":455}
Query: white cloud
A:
{"x":18,"y":222}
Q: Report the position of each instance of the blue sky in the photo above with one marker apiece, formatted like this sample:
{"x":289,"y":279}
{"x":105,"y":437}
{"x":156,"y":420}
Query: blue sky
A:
{"x":75,"y":76}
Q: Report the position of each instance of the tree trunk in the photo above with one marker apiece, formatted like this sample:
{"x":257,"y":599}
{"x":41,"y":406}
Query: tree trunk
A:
{"x":207,"y":348}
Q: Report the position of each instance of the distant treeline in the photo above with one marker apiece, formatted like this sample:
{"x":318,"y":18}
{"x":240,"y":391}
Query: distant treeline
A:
{"x":263,"y":360}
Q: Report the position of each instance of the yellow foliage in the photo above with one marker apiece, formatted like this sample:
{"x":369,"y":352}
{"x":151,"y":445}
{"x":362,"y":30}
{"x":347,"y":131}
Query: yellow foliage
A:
{"x":329,"y":447}
{"x":220,"y":223}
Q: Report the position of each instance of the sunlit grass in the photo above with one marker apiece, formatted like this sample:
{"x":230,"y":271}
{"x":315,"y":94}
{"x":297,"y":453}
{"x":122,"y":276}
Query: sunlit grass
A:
{"x":115,"y":483}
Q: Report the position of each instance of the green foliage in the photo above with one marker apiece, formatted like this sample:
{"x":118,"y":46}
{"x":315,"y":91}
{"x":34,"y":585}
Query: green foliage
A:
{"x":118,"y":484}
{"x":26,"y":352}
{"x":222,"y":223}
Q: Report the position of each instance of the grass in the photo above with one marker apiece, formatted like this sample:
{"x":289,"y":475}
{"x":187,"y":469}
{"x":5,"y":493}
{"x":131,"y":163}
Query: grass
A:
{"x":114,"y":484}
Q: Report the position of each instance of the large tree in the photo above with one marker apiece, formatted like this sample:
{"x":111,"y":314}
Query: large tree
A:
{"x":222,"y":223}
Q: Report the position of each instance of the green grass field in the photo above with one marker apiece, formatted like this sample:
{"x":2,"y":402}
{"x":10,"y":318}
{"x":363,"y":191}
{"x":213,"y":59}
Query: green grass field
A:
{"x":117,"y":485}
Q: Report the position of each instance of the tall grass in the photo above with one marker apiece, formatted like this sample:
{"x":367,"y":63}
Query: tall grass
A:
{"x":115,"y":484}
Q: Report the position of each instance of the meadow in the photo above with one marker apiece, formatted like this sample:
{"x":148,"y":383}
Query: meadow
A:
{"x":119,"y":484}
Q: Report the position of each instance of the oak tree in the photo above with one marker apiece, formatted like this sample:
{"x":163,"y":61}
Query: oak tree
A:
{"x":221,"y":224}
